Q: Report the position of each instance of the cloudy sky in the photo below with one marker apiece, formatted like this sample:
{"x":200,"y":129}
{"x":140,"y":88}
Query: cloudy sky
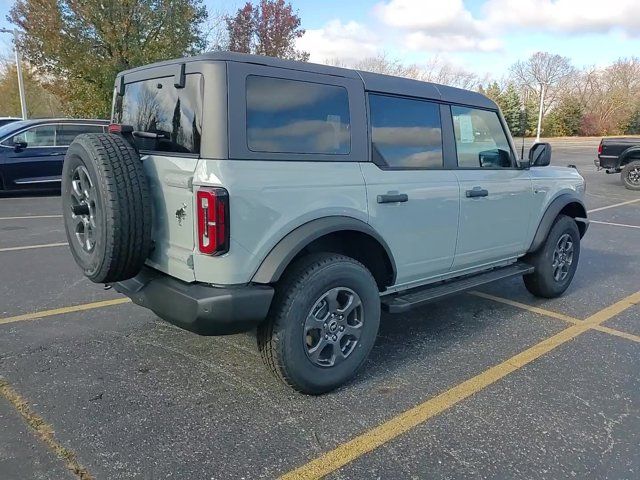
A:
{"x":485,"y":36}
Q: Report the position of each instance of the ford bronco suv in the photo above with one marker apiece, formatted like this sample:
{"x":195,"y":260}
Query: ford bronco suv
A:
{"x":237,"y":191}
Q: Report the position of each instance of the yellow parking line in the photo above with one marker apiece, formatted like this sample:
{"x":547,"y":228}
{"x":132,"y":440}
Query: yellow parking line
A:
{"x":29,"y":217}
{"x":374,"y":438}
{"x":43,"y":431}
{"x":60,"y":311}
{"x":613,"y":206}
{"x":530,"y":308}
{"x":617,"y":333}
{"x":559,"y":316}
{"x":614,"y":224}
{"x":29,"y":247}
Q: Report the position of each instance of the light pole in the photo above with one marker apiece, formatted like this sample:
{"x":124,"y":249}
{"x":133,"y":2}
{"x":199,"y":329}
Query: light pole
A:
{"x":542,"y":85}
{"x":23,"y":101}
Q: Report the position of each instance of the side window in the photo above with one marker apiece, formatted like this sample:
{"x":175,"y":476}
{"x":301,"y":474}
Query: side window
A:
{"x":480,"y":139}
{"x":291,"y":116}
{"x":66,"y":132}
{"x":43,"y":136}
{"x":405,"y":133}
{"x":172,"y":117}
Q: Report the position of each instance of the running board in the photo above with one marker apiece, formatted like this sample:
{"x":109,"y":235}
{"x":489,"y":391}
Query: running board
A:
{"x":416,"y":297}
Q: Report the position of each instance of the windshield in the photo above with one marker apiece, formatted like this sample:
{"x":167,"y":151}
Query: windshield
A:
{"x":12,"y":127}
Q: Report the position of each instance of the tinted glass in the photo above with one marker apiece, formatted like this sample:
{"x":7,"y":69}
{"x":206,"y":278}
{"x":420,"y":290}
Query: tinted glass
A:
{"x":43,"y":136}
{"x":157,"y":107}
{"x":290,"y":116}
{"x":480,"y":138}
{"x":405,"y":133}
{"x":65,"y":133}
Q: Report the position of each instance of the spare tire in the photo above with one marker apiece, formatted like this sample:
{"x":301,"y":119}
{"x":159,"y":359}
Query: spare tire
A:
{"x":106,"y":207}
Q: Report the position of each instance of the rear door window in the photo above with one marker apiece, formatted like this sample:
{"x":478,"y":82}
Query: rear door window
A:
{"x":405,"y":133}
{"x":164,"y":118}
{"x":66,"y":132}
{"x":292,"y":116}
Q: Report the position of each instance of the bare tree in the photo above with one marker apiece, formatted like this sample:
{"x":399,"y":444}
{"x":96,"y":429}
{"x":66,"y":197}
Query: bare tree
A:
{"x":547,"y":75}
{"x":436,"y":70}
{"x":546,"y":72}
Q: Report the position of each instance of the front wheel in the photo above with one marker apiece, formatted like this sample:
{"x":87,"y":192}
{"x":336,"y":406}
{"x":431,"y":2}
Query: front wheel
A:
{"x":631,"y":175}
{"x":556,"y":261}
{"x":322,"y":324}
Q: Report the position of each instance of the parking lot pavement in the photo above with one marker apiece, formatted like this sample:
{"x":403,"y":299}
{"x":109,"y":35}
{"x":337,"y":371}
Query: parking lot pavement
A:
{"x":491,"y":384}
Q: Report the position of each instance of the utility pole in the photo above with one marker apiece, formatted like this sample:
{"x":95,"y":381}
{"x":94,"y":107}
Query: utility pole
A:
{"x":23,"y":101}
{"x":540,"y":111}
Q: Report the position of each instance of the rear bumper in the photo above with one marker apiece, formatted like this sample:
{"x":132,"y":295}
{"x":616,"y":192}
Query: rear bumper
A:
{"x":605,"y":161}
{"x":198,"y":307}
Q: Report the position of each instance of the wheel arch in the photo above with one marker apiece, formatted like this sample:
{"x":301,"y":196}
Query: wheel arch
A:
{"x":565,"y":204}
{"x":631,"y":153}
{"x":338,"y":234}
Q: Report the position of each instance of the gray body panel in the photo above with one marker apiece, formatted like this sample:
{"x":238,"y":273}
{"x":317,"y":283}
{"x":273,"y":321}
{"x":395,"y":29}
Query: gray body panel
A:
{"x":279,"y":201}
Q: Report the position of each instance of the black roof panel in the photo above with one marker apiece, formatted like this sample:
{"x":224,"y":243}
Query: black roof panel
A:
{"x":372,"y":81}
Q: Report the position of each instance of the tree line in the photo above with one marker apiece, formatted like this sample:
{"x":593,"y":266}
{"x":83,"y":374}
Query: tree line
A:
{"x":73,"y":50}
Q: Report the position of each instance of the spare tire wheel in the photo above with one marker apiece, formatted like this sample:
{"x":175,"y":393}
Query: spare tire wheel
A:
{"x":106,"y":207}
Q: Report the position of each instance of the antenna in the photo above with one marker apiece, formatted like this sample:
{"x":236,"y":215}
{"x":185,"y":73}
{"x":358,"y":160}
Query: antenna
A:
{"x":523,"y":123}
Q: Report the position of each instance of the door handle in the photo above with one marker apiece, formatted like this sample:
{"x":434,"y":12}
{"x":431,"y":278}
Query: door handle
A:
{"x":56,"y":154}
{"x":477,"y":192}
{"x":393,"y":198}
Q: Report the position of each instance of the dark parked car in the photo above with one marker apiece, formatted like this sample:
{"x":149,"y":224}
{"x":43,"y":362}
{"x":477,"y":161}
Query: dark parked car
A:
{"x":621,"y":155}
{"x":32,"y":151}
{"x":6,"y":120}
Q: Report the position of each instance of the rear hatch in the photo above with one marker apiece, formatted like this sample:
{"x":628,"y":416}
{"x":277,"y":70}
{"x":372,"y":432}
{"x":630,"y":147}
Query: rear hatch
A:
{"x":167,"y":124}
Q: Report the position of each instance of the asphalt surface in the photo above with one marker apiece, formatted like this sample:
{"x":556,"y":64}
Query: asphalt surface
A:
{"x":134,"y":397}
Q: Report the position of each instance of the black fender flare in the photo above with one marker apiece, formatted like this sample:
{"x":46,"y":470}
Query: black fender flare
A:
{"x":552,"y":212}
{"x":629,"y":154}
{"x":288,"y":247}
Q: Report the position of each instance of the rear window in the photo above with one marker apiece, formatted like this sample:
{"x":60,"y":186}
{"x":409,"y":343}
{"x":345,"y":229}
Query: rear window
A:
{"x":172,"y":116}
{"x":292,"y":116}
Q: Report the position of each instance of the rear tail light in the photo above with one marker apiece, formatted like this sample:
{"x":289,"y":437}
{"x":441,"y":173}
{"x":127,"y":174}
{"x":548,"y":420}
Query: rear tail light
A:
{"x":600,"y":148}
{"x":119,"y":128}
{"x":213,"y":220}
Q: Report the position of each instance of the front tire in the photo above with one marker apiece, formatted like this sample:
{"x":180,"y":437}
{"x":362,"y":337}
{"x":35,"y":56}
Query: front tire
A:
{"x":322,"y":324}
{"x":631,"y":175}
{"x":556,"y":261}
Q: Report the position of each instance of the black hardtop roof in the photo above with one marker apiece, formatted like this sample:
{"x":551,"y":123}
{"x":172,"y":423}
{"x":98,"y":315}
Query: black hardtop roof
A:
{"x":374,"y":82}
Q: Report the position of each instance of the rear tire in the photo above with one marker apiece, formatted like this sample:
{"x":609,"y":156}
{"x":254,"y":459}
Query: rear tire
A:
{"x":106,"y":207}
{"x":631,"y":175}
{"x":556,"y":261}
{"x":322,"y":324}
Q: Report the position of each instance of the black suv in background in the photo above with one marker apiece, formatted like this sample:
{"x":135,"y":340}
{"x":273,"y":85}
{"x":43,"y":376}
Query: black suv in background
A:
{"x":32,"y":151}
{"x":7,"y":120}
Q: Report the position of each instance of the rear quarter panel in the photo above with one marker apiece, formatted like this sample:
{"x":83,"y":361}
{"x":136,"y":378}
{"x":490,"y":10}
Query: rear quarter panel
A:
{"x":269,"y":199}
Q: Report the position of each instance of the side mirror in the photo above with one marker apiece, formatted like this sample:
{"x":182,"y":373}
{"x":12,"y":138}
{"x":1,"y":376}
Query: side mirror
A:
{"x":494,"y":158}
{"x":19,"y":146}
{"x":540,"y":154}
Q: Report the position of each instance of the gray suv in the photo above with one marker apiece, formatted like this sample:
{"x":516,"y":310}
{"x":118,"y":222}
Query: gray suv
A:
{"x":236,"y":191}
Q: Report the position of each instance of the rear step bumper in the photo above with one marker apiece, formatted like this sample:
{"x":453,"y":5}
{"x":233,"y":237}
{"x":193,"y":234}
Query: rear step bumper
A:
{"x":419,"y":296}
{"x":198,"y":307}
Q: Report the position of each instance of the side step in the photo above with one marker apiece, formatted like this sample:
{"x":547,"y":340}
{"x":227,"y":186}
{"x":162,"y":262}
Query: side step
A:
{"x":415,"y":297}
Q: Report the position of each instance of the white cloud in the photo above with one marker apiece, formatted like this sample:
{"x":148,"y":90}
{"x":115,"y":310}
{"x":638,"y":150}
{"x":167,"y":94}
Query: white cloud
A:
{"x":437,"y":25}
{"x":451,"y":43}
{"x":566,"y":16}
{"x":349,"y":41}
